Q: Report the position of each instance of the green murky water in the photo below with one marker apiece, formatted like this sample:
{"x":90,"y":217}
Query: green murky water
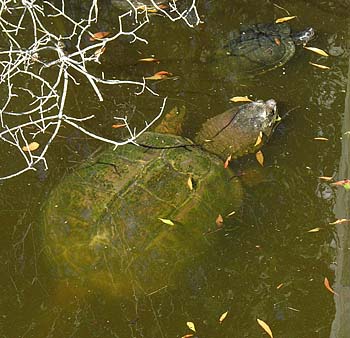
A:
{"x":265,"y":245}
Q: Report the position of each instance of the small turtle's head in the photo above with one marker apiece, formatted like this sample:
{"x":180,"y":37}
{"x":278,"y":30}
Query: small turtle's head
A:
{"x":269,"y":117}
{"x":303,"y":37}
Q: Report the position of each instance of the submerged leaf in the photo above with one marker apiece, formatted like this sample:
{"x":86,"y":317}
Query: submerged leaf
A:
{"x":317,"y":50}
{"x":328,"y":287}
{"x":191,"y":326}
{"x":166,"y":221}
{"x":319,"y":66}
{"x":240,"y":99}
{"x":31,"y":146}
{"x":286,"y":18}
{"x":223,"y":316}
{"x":260,"y":157}
{"x":265,"y":327}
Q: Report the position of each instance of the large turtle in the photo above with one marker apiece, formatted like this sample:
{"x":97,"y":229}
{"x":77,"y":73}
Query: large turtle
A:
{"x":261,"y":47}
{"x":133,"y":217}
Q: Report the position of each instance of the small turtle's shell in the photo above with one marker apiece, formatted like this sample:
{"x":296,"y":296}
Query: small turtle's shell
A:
{"x":258,"y":48}
{"x":102,"y":223}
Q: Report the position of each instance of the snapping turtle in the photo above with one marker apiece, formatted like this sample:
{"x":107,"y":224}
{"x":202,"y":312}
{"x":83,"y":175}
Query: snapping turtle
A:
{"x":261,"y":47}
{"x":129,"y":218}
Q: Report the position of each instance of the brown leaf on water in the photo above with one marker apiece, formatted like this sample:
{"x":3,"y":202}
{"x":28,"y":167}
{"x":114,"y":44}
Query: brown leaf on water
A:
{"x":340,"y":221}
{"x":149,"y":60}
{"x":328,"y":287}
{"x":265,"y":327}
{"x":240,"y":99}
{"x":321,"y":138}
{"x":116,"y":126}
{"x":259,"y":139}
{"x":285,"y":18}
{"x":326,"y":178}
{"x":317,"y":50}
{"x":319,"y":66}
{"x":191,"y":326}
{"x":190,"y":183}
{"x":99,"y":36}
{"x":159,"y":75}
{"x":260,"y":157}
{"x":219,"y":221}
{"x":341,"y":182}
{"x":227,"y":162}
{"x":223,"y":316}
{"x":31,"y":146}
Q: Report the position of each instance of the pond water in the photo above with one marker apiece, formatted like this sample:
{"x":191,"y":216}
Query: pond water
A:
{"x":265,"y":263}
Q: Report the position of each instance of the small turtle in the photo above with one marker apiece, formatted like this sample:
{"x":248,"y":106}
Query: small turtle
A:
{"x":259,"y":48}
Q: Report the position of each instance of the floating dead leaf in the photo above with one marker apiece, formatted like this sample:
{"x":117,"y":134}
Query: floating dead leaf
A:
{"x":159,"y":75}
{"x":319,"y":66}
{"x":345,"y":183}
{"x":223,"y":316}
{"x":259,"y":139}
{"x":340,"y":221}
{"x":227,"y":162}
{"x":321,"y":138}
{"x":328,"y":287}
{"x":191,"y":326}
{"x":265,"y":327}
{"x":31,"y":146}
{"x":190,"y":183}
{"x":231,"y":213}
{"x":219,"y":221}
{"x":260,"y":157}
{"x":315,"y":230}
{"x":188,"y":335}
{"x":285,"y":18}
{"x":166,"y":221}
{"x":149,"y":60}
{"x":99,"y":36}
{"x":279,"y":286}
{"x":341,"y":182}
{"x":100,"y":51}
{"x":326,"y":178}
{"x":240,"y":99}
{"x":317,"y":50}
{"x":116,"y":126}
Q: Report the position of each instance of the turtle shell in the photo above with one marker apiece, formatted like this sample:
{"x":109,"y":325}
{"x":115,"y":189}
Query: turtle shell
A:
{"x":259,"y":48}
{"x":107,"y":224}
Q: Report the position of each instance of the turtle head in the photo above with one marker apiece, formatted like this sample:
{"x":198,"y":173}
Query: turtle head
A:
{"x":303,"y":37}
{"x":270,"y":117}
